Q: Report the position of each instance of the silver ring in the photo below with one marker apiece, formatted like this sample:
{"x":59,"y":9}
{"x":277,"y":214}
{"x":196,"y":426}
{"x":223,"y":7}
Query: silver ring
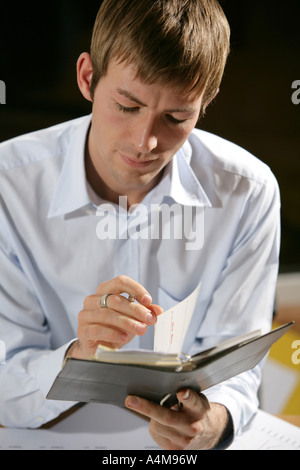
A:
{"x":131,"y":298}
{"x":103,"y":300}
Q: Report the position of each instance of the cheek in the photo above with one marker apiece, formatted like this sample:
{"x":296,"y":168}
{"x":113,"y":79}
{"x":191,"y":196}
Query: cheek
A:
{"x":109,"y":127}
{"x":172,"y":140}
{"x":103,"y":115}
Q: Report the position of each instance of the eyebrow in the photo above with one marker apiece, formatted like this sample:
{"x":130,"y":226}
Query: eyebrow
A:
{"x":128,"y":95}
{"x":131,"y":97}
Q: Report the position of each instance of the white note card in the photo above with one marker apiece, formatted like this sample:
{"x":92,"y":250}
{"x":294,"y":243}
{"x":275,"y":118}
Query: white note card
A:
{"x":172,"y":325}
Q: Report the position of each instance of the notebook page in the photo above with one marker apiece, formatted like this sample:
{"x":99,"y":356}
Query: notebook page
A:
{"x":172,"y":325}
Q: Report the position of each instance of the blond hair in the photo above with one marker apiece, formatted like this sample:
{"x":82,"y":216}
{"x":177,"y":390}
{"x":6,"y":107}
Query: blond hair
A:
{"x":180,"y":43}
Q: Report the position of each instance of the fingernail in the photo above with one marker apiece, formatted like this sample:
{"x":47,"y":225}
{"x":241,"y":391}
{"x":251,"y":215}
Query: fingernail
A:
{"x":123,"y":336}
{"x":147,"y":299}
{"x":150,"y":319}
{"x":141,"y":328}
{"x":186,"y":396}
{"x":132,"y":402}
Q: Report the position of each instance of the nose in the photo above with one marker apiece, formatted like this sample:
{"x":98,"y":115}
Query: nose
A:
{"x":147,"y":138}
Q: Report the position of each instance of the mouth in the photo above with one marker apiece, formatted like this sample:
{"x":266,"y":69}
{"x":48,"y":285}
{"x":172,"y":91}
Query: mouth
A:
{"x":134,"y":163}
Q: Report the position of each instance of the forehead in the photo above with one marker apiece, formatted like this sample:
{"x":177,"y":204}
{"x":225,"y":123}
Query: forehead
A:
{"x":123,"y":76}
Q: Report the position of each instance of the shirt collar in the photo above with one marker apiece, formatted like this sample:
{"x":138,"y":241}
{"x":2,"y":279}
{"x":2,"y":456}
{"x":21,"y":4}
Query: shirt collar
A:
{"x":179,"y":183}
{"x":185,"y":188}
{"x":71,"y":194}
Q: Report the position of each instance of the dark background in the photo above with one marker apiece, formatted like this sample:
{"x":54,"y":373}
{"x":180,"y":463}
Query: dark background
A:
{"x":40,"y":44}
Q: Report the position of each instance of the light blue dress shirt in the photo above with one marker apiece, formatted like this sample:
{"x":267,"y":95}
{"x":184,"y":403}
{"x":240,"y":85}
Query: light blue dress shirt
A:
{"x":54,"y":253}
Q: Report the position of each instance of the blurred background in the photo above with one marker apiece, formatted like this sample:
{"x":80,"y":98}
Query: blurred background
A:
{"x":40,"y":44}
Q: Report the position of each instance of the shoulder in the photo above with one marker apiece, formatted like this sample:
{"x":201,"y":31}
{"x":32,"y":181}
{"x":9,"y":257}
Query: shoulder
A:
{"x":37,"y":146}
{"x":227,"y":172}
{"x":221,"y":155}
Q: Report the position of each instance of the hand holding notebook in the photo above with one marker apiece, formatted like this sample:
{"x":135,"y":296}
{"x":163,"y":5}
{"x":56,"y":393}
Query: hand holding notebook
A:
{"x":111,"y":376}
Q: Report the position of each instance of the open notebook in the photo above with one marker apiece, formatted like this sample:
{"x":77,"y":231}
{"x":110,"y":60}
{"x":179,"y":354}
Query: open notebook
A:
{"x":157,"y":375}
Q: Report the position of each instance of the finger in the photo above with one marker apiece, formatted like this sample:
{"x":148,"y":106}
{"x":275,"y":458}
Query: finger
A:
{"x":116,"y":305}
{"x":100,"y":334}
{"x":151,"y":410}
{"x":163,"y":442}
{"x":100,"y":318}
{"x":167,"y":437}
{"x":156,"y":309}
{"x":124,"y":284}
{"x":174,"y":425}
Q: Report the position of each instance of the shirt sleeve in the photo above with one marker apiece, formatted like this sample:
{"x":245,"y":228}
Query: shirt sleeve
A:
{"x":31,"y":365}
{"x":244,"y":298}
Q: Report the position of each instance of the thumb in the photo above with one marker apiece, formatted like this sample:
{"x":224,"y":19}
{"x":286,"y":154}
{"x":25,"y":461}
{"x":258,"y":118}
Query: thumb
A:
{"x":193,"y":401}
{"x":156,"y":309}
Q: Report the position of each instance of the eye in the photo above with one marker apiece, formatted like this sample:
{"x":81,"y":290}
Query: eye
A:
{"x":125,"y":109}
{"x":175,"y":121}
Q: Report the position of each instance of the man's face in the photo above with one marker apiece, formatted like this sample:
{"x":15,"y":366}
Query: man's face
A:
{"x":136,"y":130}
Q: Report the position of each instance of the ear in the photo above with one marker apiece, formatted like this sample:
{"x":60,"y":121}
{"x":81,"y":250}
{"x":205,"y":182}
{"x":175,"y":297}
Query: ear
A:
{"x":84,"y":75}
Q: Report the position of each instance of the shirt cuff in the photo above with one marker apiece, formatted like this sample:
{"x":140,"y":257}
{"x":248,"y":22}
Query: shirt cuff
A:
{"x":47,"y":366}
{"x":45,"y":369}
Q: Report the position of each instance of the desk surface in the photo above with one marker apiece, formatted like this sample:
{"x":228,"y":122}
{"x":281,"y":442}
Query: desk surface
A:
{"x":292,"y":419}
{"x":105,"y":427}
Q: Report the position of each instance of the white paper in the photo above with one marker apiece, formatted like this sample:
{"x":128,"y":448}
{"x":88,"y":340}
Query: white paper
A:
{"x":266,"y":432}
{"x":172,"y":325}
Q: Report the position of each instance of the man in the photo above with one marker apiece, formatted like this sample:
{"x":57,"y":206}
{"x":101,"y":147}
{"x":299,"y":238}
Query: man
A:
{"x":154,"y":68}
